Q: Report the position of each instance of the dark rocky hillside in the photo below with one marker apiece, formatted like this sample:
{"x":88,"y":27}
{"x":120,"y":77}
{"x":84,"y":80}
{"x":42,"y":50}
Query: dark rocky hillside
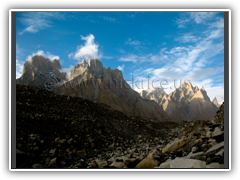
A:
{"x":57,"y":131}
{"x":65,"y":124}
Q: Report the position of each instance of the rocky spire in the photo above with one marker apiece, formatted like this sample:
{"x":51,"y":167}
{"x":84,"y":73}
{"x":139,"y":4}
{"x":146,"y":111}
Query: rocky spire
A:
{"x":96,"y":66}
{"x":196,"y":89}
{"x":214,"y":101}
{"x":84,"y":61}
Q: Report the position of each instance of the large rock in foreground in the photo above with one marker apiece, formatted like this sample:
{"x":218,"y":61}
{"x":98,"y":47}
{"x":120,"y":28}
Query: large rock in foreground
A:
{"x":183,"y":163}
{"x":178,"y":144}
{"x":148,"y":163}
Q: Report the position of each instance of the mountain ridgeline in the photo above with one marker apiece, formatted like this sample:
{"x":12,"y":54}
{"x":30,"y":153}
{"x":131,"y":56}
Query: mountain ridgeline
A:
{"x":90,"y":80}
{"x":185,"y":103}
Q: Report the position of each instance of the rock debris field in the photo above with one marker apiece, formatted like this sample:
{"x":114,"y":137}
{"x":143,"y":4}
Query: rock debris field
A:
{"x":57,"y":131}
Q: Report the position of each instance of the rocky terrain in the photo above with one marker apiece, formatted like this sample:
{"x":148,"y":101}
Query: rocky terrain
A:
{"x":58,"y":131}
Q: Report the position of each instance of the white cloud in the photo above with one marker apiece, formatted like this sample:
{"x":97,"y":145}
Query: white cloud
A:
{"x":51,"y":56}
{"x":216,"y":34}
{"x":184,"y":18}
{"x":195,"y":61}
{"x":218,"y":24}
{"x":197,"y":17}
{"x":200,"y":17}
{"x":121,"y":67}
{"x":88,"y":50}
{"x":63,"y":70}
{"x":199,"y":74}
{"x":107,"y":57}
{"x":36,"y":21}
{"x":46,"y":55}
{"x":187,"y":38}
{"x":129,"y":58}
{"x":19,"y":68}
{"x":154,"y":58}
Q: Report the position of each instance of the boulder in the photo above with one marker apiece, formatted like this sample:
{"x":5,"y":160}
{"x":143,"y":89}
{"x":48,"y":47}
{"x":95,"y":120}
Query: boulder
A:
{"x":112,"y":159}
{"x":179,"y":144}
{"x":211,"y":144}
{"x":37,"y":166}
{"x":118,"y":165}
{"x":215,"y":148}
{"x":101,"y":163}
{"x":194,"y":149}
{"x":78,"y":165}
{"x":153,"y":154}
{"x":82,"y":153}
{"x":215,"y":165}
{"x":53,"y":163}
{"x":52,"y":151}
{"x":218,"y":134}
{"x":193,"y":155}
{"x":166,"y":164}
{"x":147,"y":163}
{"x":209,"y":134}
{"x":183,"y":163}
{"x":220,"y":153}
{"x":204,"y":147}
{"x":217,"y":131}
{"x":199,"y":142}
{"x":187,"y":163}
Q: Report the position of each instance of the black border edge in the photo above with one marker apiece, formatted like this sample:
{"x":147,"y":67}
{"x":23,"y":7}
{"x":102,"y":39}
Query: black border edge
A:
{"x":226,"y":90}
{"x":13,"y":90}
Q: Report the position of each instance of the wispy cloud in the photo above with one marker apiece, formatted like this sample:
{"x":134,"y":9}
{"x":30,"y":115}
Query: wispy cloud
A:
{"x":217,"y":24}
{"x":107,"y":57}
{"x":193,"y":61}
{"x":153,"y":58}
{"x":88,"y":50}
{"x":131,"y":42}
{"x":133,"y":14}
{"x":108,"y":18}
{"x":184,"y":18}
{"x":121,"y":51}
{"x":201,"y":17}
{"x":121,"y":67}
{"x":186,"y":38}
{"x":129,"y":58}
{"x":197,"y":17}
{"x":36,"y":21}
{"x":19,"y":51}
{"x":63,"y":70}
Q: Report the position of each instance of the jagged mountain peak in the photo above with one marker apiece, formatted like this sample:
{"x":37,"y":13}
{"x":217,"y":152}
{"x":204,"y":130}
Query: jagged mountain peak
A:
{"x":201,"y":94}
{"x":196,"y":89}
{"x":214,"y":101}
{"x":84,"y":61}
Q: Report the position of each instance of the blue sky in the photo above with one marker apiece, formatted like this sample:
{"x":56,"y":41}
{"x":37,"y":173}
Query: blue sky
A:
{"x":147,"y":46}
